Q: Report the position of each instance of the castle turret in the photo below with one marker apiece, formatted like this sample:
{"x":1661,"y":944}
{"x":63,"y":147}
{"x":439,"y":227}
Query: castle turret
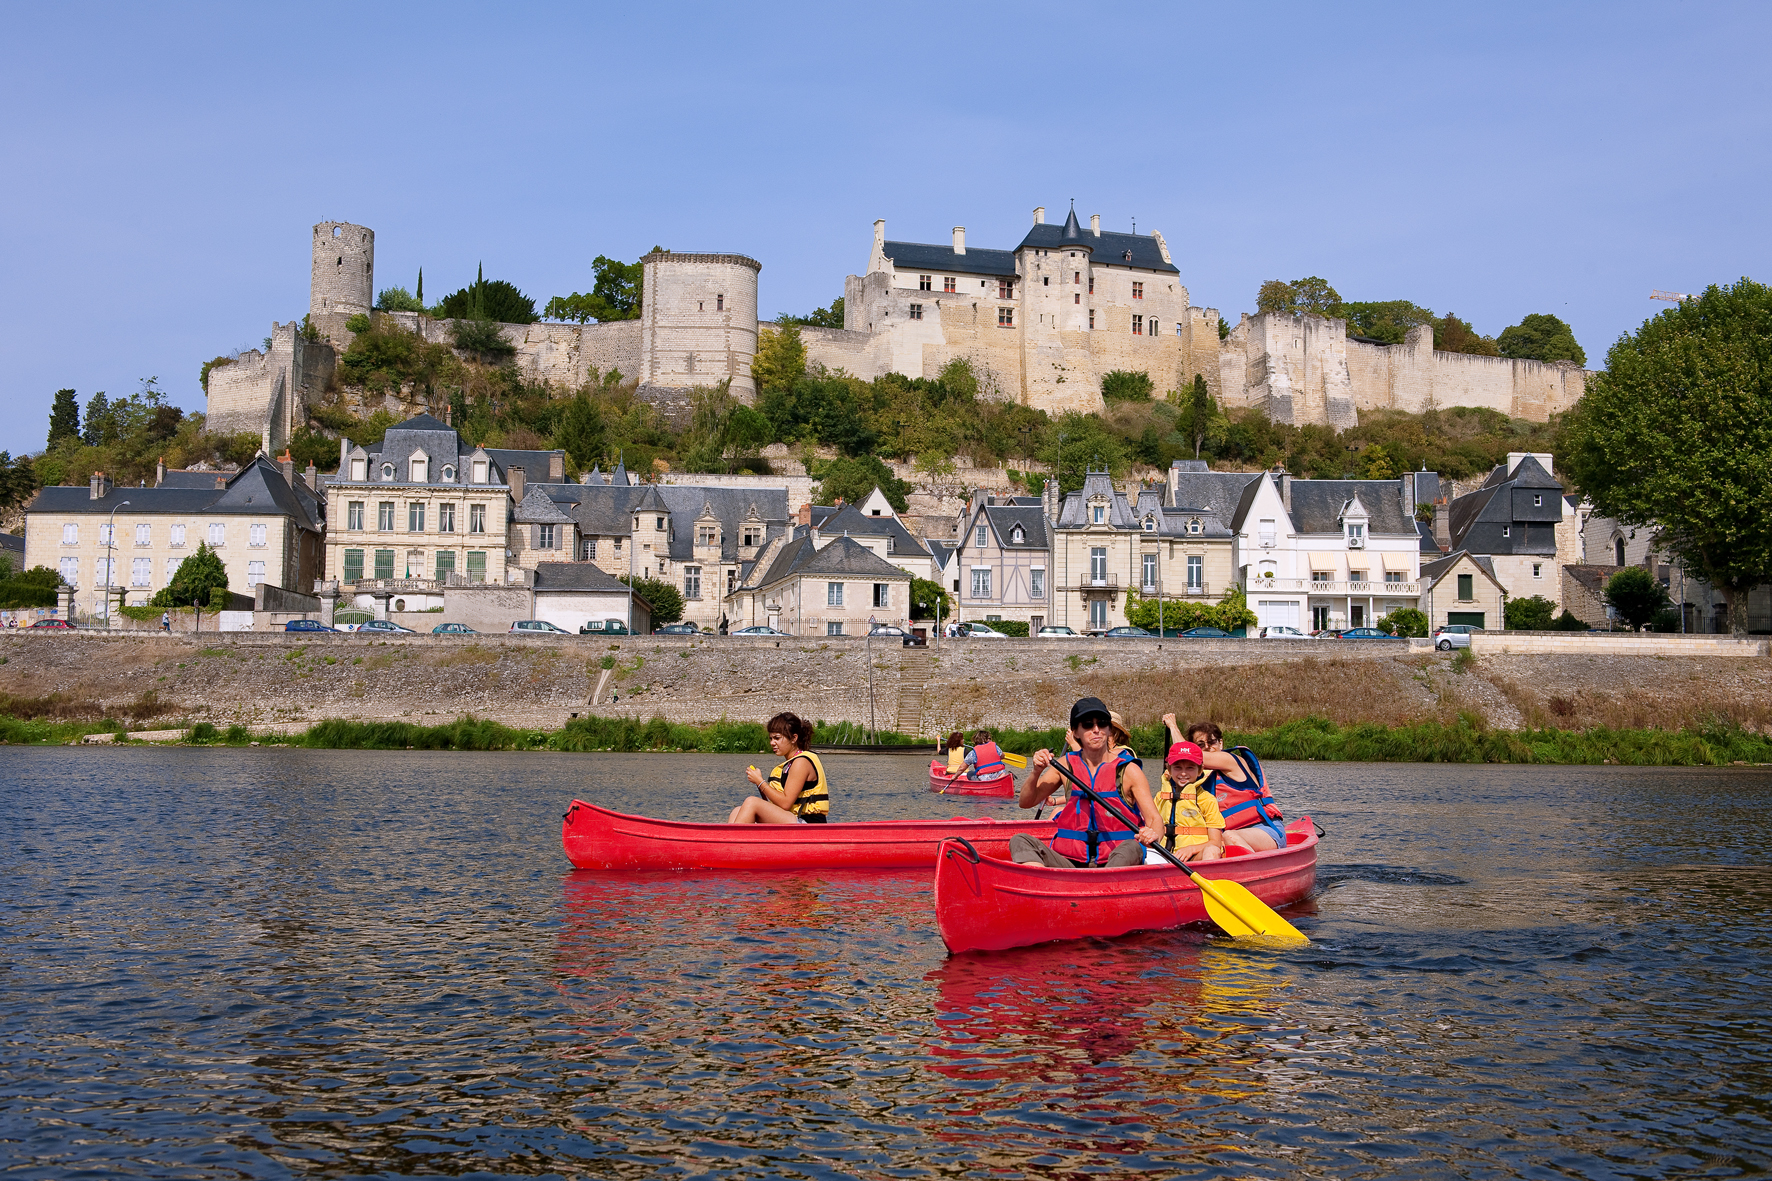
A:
{"x":343,"y":283}
{"x":698,"y":324}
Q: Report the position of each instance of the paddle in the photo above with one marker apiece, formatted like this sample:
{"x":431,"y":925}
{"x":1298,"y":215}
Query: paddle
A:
{"x":1229,"y":904}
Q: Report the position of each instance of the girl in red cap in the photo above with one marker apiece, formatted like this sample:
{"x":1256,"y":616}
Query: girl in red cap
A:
{"x":1193,"y":830}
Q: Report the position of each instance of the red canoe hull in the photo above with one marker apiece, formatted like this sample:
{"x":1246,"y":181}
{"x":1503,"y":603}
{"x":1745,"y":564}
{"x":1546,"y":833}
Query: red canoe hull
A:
{"x":994,"y":904}
{"x":959,"y":785}
{"x":597,"y":838}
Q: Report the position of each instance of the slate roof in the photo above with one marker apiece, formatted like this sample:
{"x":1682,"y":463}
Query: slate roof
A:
{"x":1432,"y":572}
{"x":1591,"y":578}
{"x":851,"y":520}
{"x":577,"y":576}
{"x":538,"y":508}
{"x":1005,"y":517}
{"x":926,"y":256}
{"x":11,"y":544}
{"x":844,"y":557}
{"x":1110,"y":249}
{"x":606,"y":510}
{"x":1429,"y":543}
{"x":1075,"y":512}
{"x":260,"y":488}
{"x":1193,"y":485}
{"x":1317,"y":506}
{"x":185,"y":478}
{"x":256,"y":489}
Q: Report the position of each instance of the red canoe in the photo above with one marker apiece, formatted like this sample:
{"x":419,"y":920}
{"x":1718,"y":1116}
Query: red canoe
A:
{"x":988,"y":903}
{"x":596,"y":838}
{"x":960,"y":785}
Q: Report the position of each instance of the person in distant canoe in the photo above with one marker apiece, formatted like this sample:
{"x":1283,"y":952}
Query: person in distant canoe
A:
{"x":796,"y":792}
{"x":1089,"y":836}
{"x":960,"y":758}
{"x":1251,"y":817}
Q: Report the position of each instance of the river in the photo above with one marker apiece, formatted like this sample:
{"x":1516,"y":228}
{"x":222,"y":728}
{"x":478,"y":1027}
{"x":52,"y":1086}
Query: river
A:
{"x":273,"y":963}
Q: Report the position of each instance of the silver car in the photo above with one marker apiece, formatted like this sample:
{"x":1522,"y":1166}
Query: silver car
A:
{"x":1454,"y":635}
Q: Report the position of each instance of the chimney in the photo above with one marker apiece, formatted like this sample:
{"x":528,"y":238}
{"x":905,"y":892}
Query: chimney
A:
{"x":344,"y":457}
{"x":312,"y":477}
{"x":1040,"y":216}
{"x":514,"y":477}
{"x":1408,"y":495}
{"x":1049,"y":494}
{"x":879,"y":235}
{"x":1283,"y":478}
{"x":286,"y":464}
{"x":1442,"y":526}
{"x":221,"y":481}
{"x":805,"y":515}
{"x":99,"y":486}
{"x":556,"y":467}
{"x":448,"y":410}
{"x":1095,"y":224}
{"x":160,"y":472}
{"x":959,"y":239}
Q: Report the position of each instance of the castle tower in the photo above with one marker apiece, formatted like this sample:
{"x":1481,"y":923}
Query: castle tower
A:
{"x":343,"y":283}
{"x":698,"y":323}
{"x":1054,"y":263}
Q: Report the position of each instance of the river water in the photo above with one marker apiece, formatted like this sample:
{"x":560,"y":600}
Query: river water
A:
{"x":270,"y":963}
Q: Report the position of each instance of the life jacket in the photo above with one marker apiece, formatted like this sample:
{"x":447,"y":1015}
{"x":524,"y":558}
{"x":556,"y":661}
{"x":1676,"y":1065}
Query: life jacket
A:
{"x":1088,"y":832}
{"x":956,"y":759}
{"x":990,"y":760}
{"x":1168,"y":799}
{"x":1249,"y":802}
{"x":813,"y":804}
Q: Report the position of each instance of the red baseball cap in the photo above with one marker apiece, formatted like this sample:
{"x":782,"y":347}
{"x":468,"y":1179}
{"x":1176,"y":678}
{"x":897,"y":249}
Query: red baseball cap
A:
{"x":1185,"y":752}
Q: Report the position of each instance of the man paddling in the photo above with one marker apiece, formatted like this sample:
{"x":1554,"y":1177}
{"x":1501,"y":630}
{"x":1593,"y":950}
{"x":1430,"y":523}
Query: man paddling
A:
{"x":1088,"y":836}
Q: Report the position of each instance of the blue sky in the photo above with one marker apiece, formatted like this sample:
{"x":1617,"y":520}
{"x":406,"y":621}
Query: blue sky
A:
{"x":164,"y":165}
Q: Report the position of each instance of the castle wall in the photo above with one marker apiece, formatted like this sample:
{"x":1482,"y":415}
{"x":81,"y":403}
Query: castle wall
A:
{"x":563,"y":354}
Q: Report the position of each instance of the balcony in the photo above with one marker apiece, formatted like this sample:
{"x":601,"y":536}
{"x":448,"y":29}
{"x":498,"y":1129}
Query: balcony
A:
{"x":1331,"y":587}
{"x":1197,"y":591}
{"x":1109,"y":583}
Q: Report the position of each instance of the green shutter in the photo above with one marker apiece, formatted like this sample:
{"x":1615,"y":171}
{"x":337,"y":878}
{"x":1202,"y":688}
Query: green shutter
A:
{"x":1466,"y":584}
{"x":476,"y":566}
{"x":384,"y":563}
{"x":353,"y":571}
{"x":445,"y":564}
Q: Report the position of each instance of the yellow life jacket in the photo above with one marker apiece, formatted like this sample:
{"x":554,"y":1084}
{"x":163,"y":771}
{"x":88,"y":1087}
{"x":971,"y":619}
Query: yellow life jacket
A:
{"x":813,"y":804}
{"x":956,"y":759}
{"x":1169,"y":794}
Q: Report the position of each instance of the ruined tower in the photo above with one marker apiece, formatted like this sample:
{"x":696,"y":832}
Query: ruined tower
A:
{"x":343,"y":284}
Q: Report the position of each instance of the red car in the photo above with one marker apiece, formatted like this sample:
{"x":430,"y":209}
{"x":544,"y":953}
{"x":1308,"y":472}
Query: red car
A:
{"x":60,"y":624}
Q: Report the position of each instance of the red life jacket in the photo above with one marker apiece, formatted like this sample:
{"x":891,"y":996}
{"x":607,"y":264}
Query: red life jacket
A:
{"x":1249,"y":802}
{"x":1088,"y":832}
{"x":989,"y":758}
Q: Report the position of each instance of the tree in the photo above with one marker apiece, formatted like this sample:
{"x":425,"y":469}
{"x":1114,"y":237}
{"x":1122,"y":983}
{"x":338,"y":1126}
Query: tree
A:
{"x":1375,"y":464}
{"x":821,"y":410}
{"x":1387,"y":320}
{"x":665,"y":600}
{"x":1201,"y":421}
{"x":18,"y":480}
{"x":1452,"y":335}
{"x":831,"y":317}
{"x":484,"y":299}
{"x":35,"y":587}
{"x":99,"y":429}
{"x":1404,"y":621}
{"x":1541,"y":337}
{"x":64,"y":417}
{"x":615,"y":293}
{"x":1676,"y":434}
{"x":580,"y":431}
{"x":1535,"y":613}
{"x":1126,"y":385}
{"x":722,"y":431}
{"x":1635,"y":597}
{"x":1081,"y":443}
{"x":924,"y":597}
{"x":398,"y":299}
{"x":195,"y":581}
{"x":1311,"y":296}
{"x":780,"y":359}
{"x":854,"y":479}
{"x":482,"y":337}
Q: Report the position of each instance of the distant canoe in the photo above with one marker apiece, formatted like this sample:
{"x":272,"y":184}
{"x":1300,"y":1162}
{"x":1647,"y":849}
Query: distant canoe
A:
{"x":959,"y":785}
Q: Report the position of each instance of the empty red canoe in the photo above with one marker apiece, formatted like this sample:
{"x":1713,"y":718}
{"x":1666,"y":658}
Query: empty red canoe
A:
{"x":960,"y":785}
{"x":988,"y":903}
{"x":596,"y":838}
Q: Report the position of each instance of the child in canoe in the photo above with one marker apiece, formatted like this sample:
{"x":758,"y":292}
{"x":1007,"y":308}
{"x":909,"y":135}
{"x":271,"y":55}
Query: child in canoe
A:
{"x":796,"y":792}
{"x":1193,"y":830}
{"x":1251,"y":817}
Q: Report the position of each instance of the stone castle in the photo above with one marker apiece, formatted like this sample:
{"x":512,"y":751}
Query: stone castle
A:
{"x":918,"y":307}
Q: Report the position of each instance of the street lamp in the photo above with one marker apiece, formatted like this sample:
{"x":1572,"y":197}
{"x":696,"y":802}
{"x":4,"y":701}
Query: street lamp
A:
{"x":110,"y":559}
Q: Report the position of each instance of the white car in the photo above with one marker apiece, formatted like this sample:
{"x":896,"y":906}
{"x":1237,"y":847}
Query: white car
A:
{"x":1454,"y":635}
{"x":1059,"y":633}
{"x":1286,"y":633}
{"x":977,"y":631}
{"x":536,"y":627}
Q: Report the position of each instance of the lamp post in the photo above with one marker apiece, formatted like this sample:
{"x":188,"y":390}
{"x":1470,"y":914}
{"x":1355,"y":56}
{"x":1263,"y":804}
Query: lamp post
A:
{"x":110,"y":559}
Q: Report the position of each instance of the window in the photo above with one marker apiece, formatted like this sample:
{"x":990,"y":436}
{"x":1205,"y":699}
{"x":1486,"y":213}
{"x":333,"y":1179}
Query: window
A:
{"x":1356,"y":576}
{"x":445,"y":564}
{"x":981,"y":583}
{"x":984,"y":536}
{"x":1196,"y":572}
{"x":1005,"y":288}
{"x":476,"y":566}
{"x":1393,"y":578}
{"x":1150,"y":571}
{"x":476,"y":518}
{"x":1138,"y":291}
{"x":1097,"y":513}
{"x":731,"y":581}
{"x":659,"y":524}
{"x":255,"y":535}
{"x":590,"y":549}
{"x":70,"y":571}
{"x":1150,"y":524}
{"x":418,"y":471}
{"x":70,"y":535}
{"x":415,"y":567}
{"x":141,"y":572}
{"x":1037,"y":582}
{"x":1356,"y":535}
{"x":916,"y":311}
{"x":1091,"y":284}
{"x":1005,"y":317}
{"x":1319,"y":618}
{"x":218,"y":535}
{"x":925,"y":283}
{"x":479,"y":471}
{"x":354,"y":515}
{"x":750,"y":535}
{"x":449,"y":473}
{"x":882,"y":594}
{"x":1466,"y":587}
{"x":1538,"y":500}
{"x":1098,"y":613}
{"x":1092,"y":319}
{"x":255,"y":573}
{"x":1265,"y":535}
{"x":544,"y":536}
{"x":177,"y":536}
{"x":446,"y":518}
{"x":1618,"y":550}
{"x":1138,"y":325}
{"x":1098,"y":564}
{"x":692,"y":582}
{"x":1193,"y":526}
{"x":1152,"y":326}
{"x":387,"y":471}
{"x":707,"y":534}
{"x":384,"y":516}
{"x":1178,"y":328}
{"x":1076,"y":276}
{"x":1538,"y":569}
{"x":1322,"y":576}
{"x":415,"y":517}
{"x":144,"y":535}
{"x":101,"y":572}
{"x":359,"y":469}
{"x":353,"y":570}
{"x":719,"y":303}
{"x":833,"y":594}
{"x":384,"y":563}
{"x":947,"y":284}
{"x":172,"y":565}
{"x":615,"y":544}
{"x":1018,"y":535}
{"x":834,"y":628}
{"x":105,"y":534}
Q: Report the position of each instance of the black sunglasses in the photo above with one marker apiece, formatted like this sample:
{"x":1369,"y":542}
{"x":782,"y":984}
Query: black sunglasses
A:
{"x":1094,"y":722}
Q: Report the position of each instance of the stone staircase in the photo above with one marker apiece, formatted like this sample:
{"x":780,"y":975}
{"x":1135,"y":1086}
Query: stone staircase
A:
{"x":913,"y":675}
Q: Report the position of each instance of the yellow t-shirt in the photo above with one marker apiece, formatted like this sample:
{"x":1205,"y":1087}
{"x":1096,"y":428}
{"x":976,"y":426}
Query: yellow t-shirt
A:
{"x":1196,"y":811}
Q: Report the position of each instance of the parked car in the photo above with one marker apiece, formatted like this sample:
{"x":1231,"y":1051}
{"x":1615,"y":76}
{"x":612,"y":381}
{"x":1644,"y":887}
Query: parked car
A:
{"x":537,"y":627}
{"x":1128,"y":633}
{"x":56,"y":624}
{"x":759,"y":630}
{"x":308,"y":625}
{"x":453,"y":629}
{"x":1206,"y":633}
{"x":1454,"y":635}
{"x":1327,"y":633}
{"x":383,"y":627}
{"x":910,"y":639}
{"x":347,"y":627}
{"x":676,"y":629}
{"x":1058,"y":633}
{"x":1365,"y":633}
{"x":1285,"y":633}
{"x":977,"y":631}
{"x":595,"y":627}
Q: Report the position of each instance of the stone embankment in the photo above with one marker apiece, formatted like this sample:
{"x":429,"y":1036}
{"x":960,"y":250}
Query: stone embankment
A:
{"x":291,"y":680}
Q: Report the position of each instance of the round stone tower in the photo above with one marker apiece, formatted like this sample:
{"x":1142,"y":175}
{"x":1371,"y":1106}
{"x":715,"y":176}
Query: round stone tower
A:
{"x":698,"y":321}
{"x":344,"y":277}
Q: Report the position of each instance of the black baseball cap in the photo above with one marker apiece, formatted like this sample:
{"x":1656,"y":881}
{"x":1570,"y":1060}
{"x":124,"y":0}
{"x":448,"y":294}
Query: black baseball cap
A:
{"x":1087,"y":706}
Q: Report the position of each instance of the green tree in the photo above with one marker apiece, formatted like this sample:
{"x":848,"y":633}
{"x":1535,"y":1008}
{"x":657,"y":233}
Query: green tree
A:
{"x":64,"y":416}
{"x":1452,"y":335}
{"x":615,"y":294}
{"x":580,"y":431}
{"x":195,"y":581}
{"x":821,"y":410}
{"x":1375,"y":464}
{"x":1311,"y":296}
{"x":35,"y":587}
{"x":665,"y":600}
{"x":1676,"y":433}
{"x":1386,"y":320}
{"x":924,"y":597}
{"x":484,"y":299}
{"x":1541,"y":337}
{"x":398,"y":299}
{"x":1079,"y":443}
{"x":1126,"y":385}
{"x":853,"y":479}
{"x":482,"y":337}
{"x":1404,"y":621}
{"x":1635,"y":597}
{"x":1201,"y":422}
{"x":780,"y":359}
{"x":831,"y":317}
{"x":1535,"y":613}
{"x":723,"y":432}
{"x":99,"y":427}
{"x":1232,"y":611}
{"x":18,"y":480}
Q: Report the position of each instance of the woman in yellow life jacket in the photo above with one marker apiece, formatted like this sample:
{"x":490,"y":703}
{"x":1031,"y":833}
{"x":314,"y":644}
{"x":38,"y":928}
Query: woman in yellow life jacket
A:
{"x":1192,"y":828}
{"x":796,"y":792}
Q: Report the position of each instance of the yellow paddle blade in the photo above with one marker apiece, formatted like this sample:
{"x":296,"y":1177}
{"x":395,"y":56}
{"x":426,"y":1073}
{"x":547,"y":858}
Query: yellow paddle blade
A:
{"x":1238,"y":912}
{"x":1015,"y":760}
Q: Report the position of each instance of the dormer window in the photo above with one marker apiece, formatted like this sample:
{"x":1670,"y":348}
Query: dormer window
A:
{"x":1018,"y":535}
{"x":479,"y":471}
{"x":1097,"y":514}
{"x":1150,"y":524}
{"x":449,"y":473}
{"x":1538,"y":500}
{"x":387,"y":471}
{"x":1356,"y":534}
{"x":419,"y":467}
{"x":359,"y":469}
{"x":1193,"y":525}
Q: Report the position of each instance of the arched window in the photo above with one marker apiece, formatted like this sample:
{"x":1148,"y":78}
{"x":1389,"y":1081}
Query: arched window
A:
{"x":1018,"y":535}
{"x":449,"y":473}
{"x":1150,"y":524}
{"x":1618,"y":550}
{"x":1193,"y":525}
{"x":387,"y":471}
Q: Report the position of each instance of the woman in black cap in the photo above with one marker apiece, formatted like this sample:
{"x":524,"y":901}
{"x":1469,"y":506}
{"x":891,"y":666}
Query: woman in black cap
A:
{"x":1089,"y":836}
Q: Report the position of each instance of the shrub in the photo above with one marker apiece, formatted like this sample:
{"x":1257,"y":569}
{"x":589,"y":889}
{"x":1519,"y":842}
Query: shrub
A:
{"x":1009,"y":627}
{"x":1636,"y":597}
{"x":1405,"y":621}
{"x":398,"y":299}
{"x":1122,"y":385}
{"x":1534,"y":613}
{"x":357,"y":323}
{"x":483,"y":338}
{"x":665,"y":600}
{"x":1567,"y":622}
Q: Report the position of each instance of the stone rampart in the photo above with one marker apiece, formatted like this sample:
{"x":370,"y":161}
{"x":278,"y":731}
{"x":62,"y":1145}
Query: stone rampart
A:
{"x":1613,"y":644}
{"x":562,"y":354}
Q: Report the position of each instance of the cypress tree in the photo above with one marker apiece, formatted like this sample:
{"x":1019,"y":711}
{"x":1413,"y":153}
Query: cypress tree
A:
{"x":64,"y":417}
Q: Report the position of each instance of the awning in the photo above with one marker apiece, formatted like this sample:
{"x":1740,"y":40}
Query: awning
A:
{"x":1329,"y":562}
{"x":1397,"y":561}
